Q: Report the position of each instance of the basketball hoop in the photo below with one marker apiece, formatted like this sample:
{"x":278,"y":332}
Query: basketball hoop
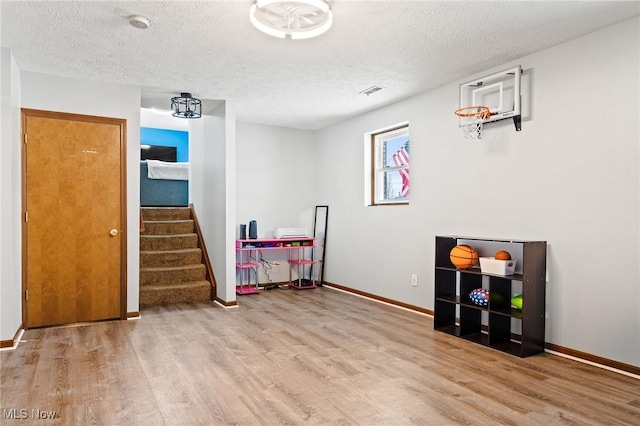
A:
{"x":471,"y":120}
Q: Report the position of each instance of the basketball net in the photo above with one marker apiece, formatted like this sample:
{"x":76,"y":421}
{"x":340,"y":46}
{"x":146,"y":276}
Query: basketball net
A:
{"x":472,"y":119}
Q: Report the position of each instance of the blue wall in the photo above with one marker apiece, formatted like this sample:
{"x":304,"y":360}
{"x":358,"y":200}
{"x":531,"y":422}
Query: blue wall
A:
{"x":179,"y":139}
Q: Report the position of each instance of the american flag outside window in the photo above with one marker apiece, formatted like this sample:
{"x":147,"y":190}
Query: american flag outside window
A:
{"x":391,"y":183}
{"x":396,"y":168}
{"x":401,"y":158}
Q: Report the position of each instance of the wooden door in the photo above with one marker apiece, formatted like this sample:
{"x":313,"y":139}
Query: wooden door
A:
{"x":74,"y":236}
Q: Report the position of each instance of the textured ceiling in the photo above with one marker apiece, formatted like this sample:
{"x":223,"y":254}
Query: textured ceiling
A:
{"x":210,"y":48}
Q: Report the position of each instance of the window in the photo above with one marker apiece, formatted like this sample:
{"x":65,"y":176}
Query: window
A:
{"x":390,"y":166}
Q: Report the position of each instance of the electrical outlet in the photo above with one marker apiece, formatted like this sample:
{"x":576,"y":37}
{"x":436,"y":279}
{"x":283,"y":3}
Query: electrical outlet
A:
{"x":414,"y":280}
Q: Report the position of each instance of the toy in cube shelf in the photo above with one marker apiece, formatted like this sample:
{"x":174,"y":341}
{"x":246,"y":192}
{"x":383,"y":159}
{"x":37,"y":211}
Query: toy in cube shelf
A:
{"x":516,"y":302}
{"x":502,"y":255}
{"x":479,"y":296}
{"x":463,"y":256}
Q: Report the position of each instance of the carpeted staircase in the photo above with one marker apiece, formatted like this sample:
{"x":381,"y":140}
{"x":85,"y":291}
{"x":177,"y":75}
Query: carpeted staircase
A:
{"x":172,"y":266}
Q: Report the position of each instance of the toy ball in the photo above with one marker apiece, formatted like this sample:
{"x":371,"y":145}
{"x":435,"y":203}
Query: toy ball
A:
{"x":479,"y":296}
{"x":502,"y":255}
{"x":516,"y":301}
{"x":463,"y":256}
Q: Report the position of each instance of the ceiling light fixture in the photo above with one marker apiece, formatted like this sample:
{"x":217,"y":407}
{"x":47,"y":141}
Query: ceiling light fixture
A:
{"x":300,"y":19}
{"x":186,"y":106}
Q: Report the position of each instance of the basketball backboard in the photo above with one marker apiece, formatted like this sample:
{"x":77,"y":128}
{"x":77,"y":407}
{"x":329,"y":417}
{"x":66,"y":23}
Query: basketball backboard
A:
{"x":500,"y":92}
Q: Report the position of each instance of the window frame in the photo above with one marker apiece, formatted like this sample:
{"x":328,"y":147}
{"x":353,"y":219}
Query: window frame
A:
{"x":378,"y":168}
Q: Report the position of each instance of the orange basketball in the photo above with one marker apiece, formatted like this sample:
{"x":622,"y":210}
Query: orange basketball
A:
{"x":502,"y":255}
{"x":463,"y":256}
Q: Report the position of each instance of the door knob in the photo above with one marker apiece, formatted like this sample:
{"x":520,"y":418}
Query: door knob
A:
{"x":113,"y":232}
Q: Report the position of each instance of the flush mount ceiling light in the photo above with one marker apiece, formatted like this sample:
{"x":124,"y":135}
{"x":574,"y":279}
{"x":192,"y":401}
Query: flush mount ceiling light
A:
{"x":186,"y":106}
{"x":295,"y":19}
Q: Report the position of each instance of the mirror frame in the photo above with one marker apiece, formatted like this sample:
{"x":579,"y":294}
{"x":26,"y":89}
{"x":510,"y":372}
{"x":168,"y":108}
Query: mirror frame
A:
{"x":320,"y":222}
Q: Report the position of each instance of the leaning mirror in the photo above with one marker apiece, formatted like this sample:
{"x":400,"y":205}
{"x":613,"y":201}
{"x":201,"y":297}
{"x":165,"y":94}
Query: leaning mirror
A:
{"x":319,"y":250}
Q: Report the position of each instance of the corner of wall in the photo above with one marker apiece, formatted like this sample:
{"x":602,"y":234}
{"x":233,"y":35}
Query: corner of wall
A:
{"x":10,"y":199}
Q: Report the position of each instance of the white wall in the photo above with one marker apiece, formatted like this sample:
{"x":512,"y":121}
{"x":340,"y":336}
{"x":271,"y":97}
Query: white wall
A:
{"x":155,"y":119}
{"x":570,"y":177}
{"x":275,"y":184}
{"x":52,"y":93}
{"x":10,"y":201}
{"x":212,"y":153}
{"x":276,"y":176}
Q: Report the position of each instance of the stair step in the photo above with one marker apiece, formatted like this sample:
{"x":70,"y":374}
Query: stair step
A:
{"x":168,"y":227}
{"x":165,"y":213}
{"x":171,"y":268}
{"x":158,"y":294}
{"x":168,"y":242}
{"x":172,"y":275}
{"x":150,"y":259}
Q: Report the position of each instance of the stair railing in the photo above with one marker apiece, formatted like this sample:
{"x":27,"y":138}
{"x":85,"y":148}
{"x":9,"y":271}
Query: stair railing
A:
{"x":205,"y":256}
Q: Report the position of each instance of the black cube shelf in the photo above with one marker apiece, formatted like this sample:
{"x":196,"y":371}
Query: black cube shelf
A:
{"x":497,"y":325}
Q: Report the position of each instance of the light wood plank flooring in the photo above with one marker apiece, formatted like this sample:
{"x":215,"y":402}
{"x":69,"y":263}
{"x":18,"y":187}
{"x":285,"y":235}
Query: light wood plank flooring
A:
{"x":297,"y":357}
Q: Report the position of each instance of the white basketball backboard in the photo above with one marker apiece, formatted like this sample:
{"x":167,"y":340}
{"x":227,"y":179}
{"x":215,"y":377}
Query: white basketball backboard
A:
{"x":500,"y":92}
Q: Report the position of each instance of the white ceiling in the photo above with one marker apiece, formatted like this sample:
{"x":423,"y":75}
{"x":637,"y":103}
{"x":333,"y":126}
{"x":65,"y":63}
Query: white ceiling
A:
{"x":209,"y":48}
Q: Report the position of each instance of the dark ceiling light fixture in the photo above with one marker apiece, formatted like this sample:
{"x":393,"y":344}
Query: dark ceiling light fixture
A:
{"x":186,"y":106}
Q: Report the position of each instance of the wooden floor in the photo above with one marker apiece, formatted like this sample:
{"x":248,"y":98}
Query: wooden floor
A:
{"x":296,"y":357}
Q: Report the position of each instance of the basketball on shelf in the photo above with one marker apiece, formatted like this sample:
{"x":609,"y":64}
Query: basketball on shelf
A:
{"x":463,"y":256}
{"x":502,"y":255}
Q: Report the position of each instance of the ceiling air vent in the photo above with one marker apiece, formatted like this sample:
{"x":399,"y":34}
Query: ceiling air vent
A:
{"x":370,"y":90}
